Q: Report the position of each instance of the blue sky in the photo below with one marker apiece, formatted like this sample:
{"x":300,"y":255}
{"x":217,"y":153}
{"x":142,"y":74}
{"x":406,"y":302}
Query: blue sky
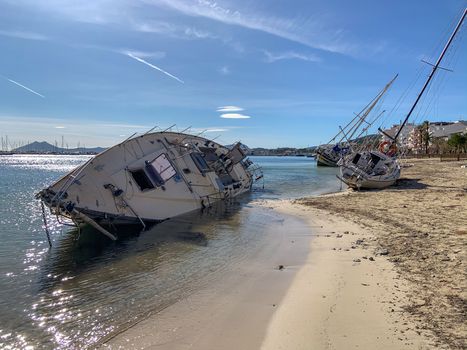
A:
{"x":96,"y":71}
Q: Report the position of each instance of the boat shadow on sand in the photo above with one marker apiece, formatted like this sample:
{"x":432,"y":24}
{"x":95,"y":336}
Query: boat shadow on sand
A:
{"x":416,"y":184}
{"x":80,"y":249}
{"x":400,"y":185}
{"x":409,"y":184}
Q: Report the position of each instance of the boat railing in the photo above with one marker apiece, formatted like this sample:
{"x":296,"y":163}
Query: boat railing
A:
{"x":256,"y":172}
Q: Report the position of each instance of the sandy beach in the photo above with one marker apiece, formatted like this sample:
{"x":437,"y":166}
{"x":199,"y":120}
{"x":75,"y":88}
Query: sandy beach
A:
{"x":420,"y":227}
{"x":354,"y":270}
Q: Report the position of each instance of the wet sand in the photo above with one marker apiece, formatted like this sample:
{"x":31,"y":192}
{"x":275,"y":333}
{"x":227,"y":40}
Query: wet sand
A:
{"x":360,"y":270}
{"x":233,"y":311}
{"x":344,"y":297}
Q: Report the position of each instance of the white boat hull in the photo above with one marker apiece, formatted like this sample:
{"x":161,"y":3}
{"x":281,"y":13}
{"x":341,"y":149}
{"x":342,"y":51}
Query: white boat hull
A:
{"x":322,"y":160}
{"x":370,"y":183}
{"x":369,"y":170}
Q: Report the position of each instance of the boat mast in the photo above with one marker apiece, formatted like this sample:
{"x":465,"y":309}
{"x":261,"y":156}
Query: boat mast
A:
{"x":370,"y":108}
{"x":345,"y":127}
{"x":342,"y":130}
{"x":357,"y":119}
{"x":435,"y":68}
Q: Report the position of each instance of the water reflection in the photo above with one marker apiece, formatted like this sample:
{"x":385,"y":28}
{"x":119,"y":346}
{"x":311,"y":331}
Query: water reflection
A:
{"x":91,"y":285}
{"x":87,"y":286}
{"x":80,"y":248}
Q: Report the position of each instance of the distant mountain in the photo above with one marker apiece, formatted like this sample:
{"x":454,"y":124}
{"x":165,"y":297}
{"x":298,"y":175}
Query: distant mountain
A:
{"x":45,"y":147}
{"x":290,"y":151}
{"x":372,"y":138}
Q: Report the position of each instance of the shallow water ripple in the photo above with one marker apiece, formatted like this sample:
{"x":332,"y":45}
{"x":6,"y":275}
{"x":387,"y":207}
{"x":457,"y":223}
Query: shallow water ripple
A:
{"x":86,"y":287}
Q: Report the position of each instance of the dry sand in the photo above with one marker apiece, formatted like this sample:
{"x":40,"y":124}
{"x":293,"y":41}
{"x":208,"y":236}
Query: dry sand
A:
{"x":421,"y":226}
{"x":383,"y":270}
{"x":344,"y":297}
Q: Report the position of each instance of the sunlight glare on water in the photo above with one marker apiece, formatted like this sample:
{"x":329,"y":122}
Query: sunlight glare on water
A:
{"x":87,"y":287}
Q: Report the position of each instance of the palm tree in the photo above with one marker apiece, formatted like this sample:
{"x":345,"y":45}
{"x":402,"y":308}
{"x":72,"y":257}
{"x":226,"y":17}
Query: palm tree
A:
{"x":458,"y":142}
{"x":424,"y":135}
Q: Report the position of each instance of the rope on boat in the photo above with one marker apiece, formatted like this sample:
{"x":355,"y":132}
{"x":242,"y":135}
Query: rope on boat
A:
{"x":134,"y":212}
{"x":44,"y":217}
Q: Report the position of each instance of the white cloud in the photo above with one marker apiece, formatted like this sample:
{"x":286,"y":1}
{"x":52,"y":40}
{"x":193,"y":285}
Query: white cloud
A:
{"x":90,"y":132}
{"x":225,"y":70}
{"x":312,"y":31}
{"x":60,"y":127}
{"x":216,"y":130}
{"x":198,"y":33}
{"x":309,"y":32}
{"x":96,"y":11}
{"x":154,"y":67}
{"x":229,"y":109}
{"x":235,"y":116}
{"x":75,"y":129}
{"x":143,"y":54}
{"x":290,"y":55}
{"x":172,"y":30}
{"x":153,"y":27}
{"x":238,"y":47}
{"x":23,"y":35}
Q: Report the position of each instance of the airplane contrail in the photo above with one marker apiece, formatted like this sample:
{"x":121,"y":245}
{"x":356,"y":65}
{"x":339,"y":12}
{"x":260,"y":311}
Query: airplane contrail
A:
{"x":24,"y":87}
{"x":154,"y":67}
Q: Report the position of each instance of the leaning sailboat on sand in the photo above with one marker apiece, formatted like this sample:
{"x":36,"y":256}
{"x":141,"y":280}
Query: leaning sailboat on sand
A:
{"x":341,"y":144}
{"x":150,"y":178}
{"x":376,"y":169}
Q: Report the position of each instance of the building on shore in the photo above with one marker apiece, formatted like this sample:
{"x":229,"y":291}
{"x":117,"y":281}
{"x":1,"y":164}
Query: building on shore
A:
{"x":404,"y":136}
{"x":415,"y":139}
{"x":446,"y":130}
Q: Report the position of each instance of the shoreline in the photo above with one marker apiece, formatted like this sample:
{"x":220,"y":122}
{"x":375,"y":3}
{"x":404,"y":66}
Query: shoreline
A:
{"x":344,"y":296}
{"x":361,"y":282}
{"x":233,"y":311}
{"x":420,"y":226}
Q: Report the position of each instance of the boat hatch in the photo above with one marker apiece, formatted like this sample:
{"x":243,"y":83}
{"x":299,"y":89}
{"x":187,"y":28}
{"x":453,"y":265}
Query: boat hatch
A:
{"x":356,"y":158}
{"x":200,"y":162}
{"x":209,"y":154}
{"x":375,"y":159}
{"x":142,"y":179}
{"x":226,"y":179}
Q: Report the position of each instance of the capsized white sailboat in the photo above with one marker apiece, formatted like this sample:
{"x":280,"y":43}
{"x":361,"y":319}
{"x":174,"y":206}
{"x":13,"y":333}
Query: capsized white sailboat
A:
{"x":369,"y":170}
{"x":151,"y":178}
{"x":330,"y":153}
{"x":380,"y":169}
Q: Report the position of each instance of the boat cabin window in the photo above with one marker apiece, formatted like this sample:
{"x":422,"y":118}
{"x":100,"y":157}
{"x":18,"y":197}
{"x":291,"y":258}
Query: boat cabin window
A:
{"x":141,"y":179}
{"x":209,"y":154}
{"x":163,"y":167}
{"x":356,"y":158}
{"x":226,"y":179}
{"x":199,"y":161}
{"x":154,"y":174}
{"x":375,"y":159}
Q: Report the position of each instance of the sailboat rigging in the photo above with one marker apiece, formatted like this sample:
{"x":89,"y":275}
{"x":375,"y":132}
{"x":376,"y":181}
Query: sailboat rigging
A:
{"x":380,"y":169}
{"x":329,"y":154}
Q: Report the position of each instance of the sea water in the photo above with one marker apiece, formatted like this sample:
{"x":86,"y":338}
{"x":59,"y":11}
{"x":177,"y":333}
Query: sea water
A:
{"x":86,"y":287}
